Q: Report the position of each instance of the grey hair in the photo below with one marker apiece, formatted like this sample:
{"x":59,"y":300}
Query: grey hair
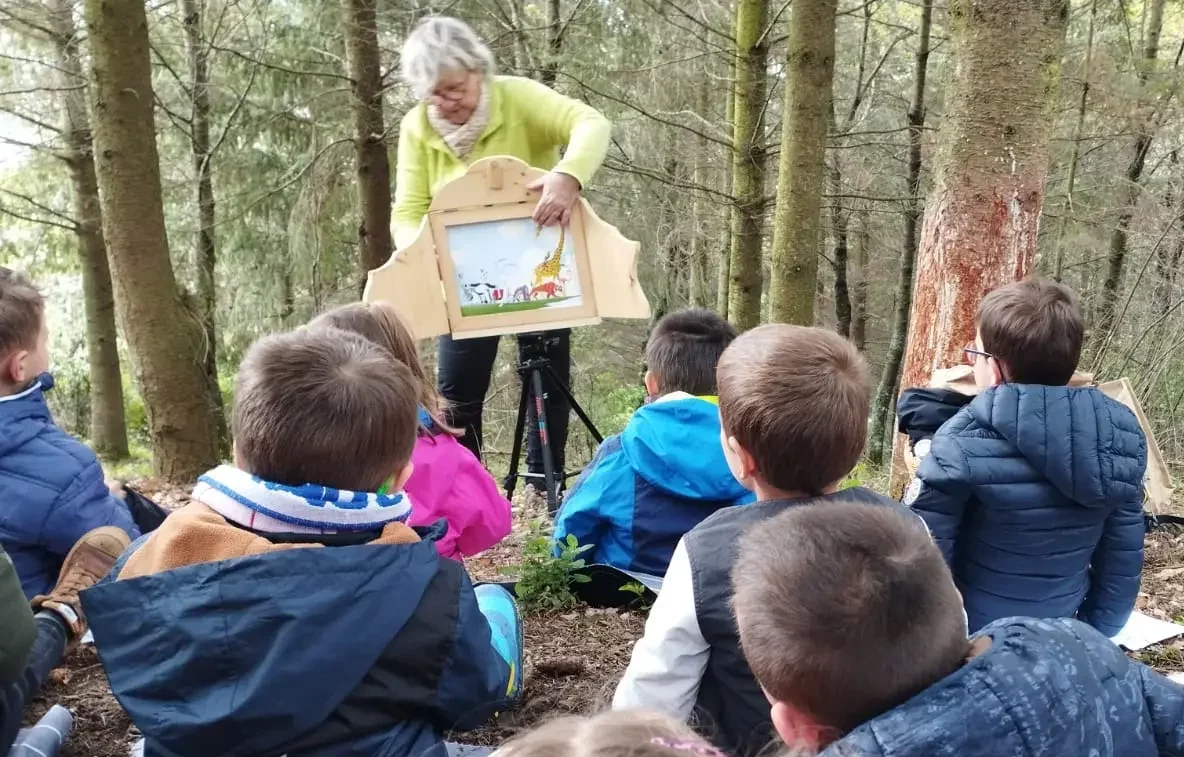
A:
{"x":439,"y":44}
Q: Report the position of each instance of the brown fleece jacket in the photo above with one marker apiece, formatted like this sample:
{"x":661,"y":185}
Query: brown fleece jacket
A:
{"x":196,"y":534}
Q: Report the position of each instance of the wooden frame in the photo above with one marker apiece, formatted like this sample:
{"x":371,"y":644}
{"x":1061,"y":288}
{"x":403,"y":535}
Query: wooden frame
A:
{"x":469,"y":326}
{"x":420,"y":280}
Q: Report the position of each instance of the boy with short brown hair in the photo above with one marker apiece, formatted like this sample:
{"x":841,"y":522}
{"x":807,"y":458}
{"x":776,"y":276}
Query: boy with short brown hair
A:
{"x":854,"y":629}
{"x":793,"y":409}
{"x":301,"y":614}
{"x":52,"y":489}
{"x":1034,"y":490}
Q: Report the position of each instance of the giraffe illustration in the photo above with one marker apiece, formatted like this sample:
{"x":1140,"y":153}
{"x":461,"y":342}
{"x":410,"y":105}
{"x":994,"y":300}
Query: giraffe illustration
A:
{"x":548,"y":270}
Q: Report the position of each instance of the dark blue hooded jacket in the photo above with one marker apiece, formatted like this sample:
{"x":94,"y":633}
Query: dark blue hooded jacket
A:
{"x":651,"y":484}
{"x":349,"y":651}
{"x":1053,"y":688}
{"x":52,"y":490}
{"x":1035,"y":496}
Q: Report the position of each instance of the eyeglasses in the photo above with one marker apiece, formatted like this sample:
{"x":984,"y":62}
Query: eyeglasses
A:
{"x":453,"y":92}
{"x":971,"y":353}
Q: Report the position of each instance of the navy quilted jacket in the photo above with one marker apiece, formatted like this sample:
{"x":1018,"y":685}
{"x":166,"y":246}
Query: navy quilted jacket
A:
{"x":51,"y":490}
{"x":1035,"y":496}
{"x":1052,"y":688}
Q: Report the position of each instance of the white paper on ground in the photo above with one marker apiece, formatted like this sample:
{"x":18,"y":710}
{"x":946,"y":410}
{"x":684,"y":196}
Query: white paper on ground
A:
{"x":1141,"y":631}
{"x":1177,"y":677}
{"x":87,"y":638}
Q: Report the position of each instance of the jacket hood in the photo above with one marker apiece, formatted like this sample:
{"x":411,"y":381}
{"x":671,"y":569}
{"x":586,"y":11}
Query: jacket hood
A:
{"x":182,"y":648}
{"x":22,"y":406}
{"x":1088,"y":446}
{"x":673,"y":443}
{"x":1042,"y":688}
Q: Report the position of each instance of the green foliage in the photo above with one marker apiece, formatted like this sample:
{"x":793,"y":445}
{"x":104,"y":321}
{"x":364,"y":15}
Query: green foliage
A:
{"x":640,"y":600}
{"x":544,"y":578}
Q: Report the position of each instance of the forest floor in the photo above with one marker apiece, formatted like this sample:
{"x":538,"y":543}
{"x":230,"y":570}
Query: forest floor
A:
{"x":573,"y":659}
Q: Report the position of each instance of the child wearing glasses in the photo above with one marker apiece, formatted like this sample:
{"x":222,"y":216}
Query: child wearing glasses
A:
{"x":1033,"y":489}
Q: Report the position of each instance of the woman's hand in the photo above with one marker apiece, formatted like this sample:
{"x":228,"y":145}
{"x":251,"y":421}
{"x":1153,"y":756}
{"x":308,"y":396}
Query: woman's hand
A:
{"x":560,"y":194}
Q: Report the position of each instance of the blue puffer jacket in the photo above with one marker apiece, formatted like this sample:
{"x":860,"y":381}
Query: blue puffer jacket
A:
{"x":1035,"y":496}
{"x":52,"y":490}
{"x":347,"y":651}
{"x":1053,"y":688}
{"x":651,"y":484}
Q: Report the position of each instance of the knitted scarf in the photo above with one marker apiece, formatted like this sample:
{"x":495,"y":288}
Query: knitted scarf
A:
{"x":268,"y":507}
{"x":461,"y":138}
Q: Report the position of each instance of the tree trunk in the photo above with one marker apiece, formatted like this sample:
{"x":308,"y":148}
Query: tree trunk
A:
{"x":981,"y":220}
{"x":1058,"y":269}
{"x":373,"y":163}
{"x":797,"y":221}
{"x":207,"y":251}
{"x":724,"y":272}
{"x":1133,"y":188}
{"x":748,"y":168}
{"x":108,"y":424}
{"x":165,"y":338}
{"x":700,"y":297}
{"x":839,"y":253}
{"x":550,"y":70}
{"x":884,"y":400}
{"x":859,"y":290}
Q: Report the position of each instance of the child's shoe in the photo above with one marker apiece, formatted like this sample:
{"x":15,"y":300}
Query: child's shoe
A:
{"x":85,"y":565}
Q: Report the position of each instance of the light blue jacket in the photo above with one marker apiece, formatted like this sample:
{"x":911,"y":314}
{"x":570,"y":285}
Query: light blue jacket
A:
{"x":651,"y":484}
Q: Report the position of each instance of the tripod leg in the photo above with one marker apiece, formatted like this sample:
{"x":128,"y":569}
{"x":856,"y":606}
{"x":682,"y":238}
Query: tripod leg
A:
{"x":571,"y":400}
{"x":516,"y":450}
{"x":536,"y":381}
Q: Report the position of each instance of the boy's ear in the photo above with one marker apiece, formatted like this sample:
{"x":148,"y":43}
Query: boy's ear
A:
{"x":399,"y":480}
{"x":745,"y":463}
{"x":651,"y":384}
{"x":12,"y":368}
{"x":998,"y":371}
{"x":797,"y":729}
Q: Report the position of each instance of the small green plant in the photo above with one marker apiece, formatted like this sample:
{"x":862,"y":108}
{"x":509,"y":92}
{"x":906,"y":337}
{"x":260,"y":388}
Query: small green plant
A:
{"x":544,"y":577}
{"x":641,"y":601}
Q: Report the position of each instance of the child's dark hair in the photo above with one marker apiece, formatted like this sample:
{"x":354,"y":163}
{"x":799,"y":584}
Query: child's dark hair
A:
{"x":381,"y":324}
{"x":684,"y":349}
{"x":846,"y":610}
{"x":796,"y":399}
{"x":324,"y":406}
{"x":22,"y":309}
{"x":1035,"y":329}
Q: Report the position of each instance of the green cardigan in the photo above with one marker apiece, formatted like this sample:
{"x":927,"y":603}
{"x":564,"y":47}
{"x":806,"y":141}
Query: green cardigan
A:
{"x":527,"y":120}
{"x":18,"y":630}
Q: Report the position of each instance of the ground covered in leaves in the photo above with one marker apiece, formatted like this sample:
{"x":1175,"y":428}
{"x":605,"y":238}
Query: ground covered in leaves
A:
{"x":573,"y":659}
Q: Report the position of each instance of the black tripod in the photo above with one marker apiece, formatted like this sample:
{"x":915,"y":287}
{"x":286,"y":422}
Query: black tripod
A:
{"x":535,"y":362}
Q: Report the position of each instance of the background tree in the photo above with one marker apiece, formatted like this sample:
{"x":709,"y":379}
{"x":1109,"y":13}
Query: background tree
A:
{"x":163,"y":334}
{"x":797,"y":222}
{"x":981,"y":220}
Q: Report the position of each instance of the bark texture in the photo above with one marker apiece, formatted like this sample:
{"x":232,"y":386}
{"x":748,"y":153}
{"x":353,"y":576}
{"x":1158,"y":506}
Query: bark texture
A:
{"x":982,"y":218}
{"x":373,"y":163}
{"x":164,"y":336}
{"x":797,"y":220}
{"x":749,"y":159}
{"x":108,"y":424}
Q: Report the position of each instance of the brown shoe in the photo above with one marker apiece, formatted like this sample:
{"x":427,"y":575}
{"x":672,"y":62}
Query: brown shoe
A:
{"x":86,"y":564}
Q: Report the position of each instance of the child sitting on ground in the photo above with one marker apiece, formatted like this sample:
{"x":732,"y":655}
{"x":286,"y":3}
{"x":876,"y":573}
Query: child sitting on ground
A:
{"x":665,"y":472}
{"x":1034,"y":490}
{"x":635,"y":733}
{"x":793,"y":404}
{"x":289,"y":609}
{"x":448,"y":480}
{"x":52,"y":489}
{"x":853,"y":626}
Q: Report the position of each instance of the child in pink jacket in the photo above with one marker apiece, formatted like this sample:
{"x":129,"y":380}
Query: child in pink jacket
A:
{"x":448,"y":481}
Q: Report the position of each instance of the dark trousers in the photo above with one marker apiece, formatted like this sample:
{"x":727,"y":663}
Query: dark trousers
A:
{"x":48,"y":648}
{"x":465,"y":367}
{"x":147,"y":514}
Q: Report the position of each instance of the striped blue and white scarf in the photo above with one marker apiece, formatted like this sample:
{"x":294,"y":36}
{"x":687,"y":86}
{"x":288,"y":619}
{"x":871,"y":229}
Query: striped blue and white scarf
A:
{"x":269,"y":507}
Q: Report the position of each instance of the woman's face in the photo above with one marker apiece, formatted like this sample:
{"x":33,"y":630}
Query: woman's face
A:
{"x":456,"y":95}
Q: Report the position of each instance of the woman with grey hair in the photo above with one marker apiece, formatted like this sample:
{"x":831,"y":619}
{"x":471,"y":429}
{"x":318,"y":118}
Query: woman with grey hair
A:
{"x":468,"y":112}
